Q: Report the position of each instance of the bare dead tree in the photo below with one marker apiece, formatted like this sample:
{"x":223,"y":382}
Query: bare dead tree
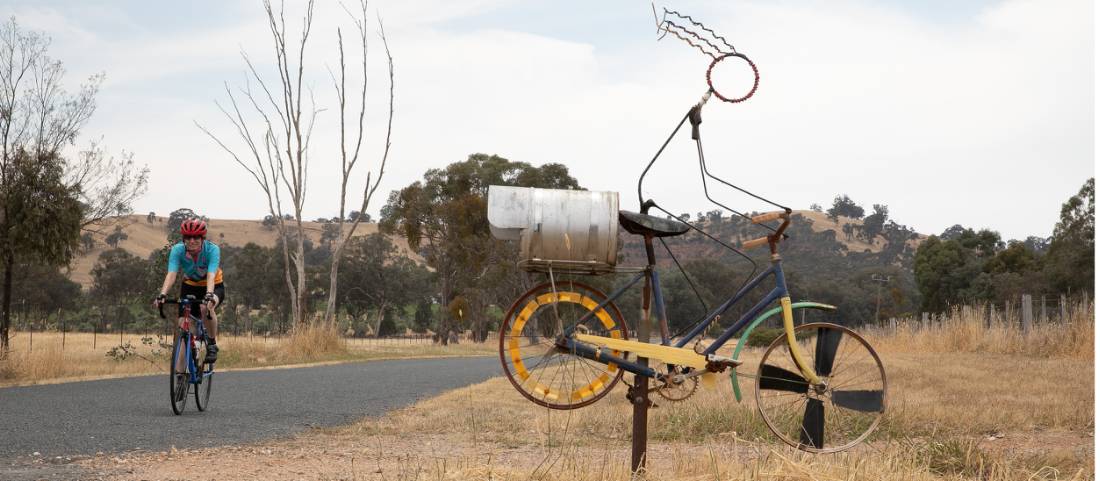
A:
{"x":348,"y":161}
{"x":277,"y":155}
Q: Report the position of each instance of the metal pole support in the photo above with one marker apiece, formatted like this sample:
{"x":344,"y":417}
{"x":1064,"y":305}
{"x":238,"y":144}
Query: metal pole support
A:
{"x":639,"y":393}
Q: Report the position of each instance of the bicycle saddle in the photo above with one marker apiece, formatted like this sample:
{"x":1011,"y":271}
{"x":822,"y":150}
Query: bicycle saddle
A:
{"x":642,"y":224}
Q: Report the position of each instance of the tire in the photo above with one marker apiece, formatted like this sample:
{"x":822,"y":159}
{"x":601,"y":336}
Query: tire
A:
{"x":178,"y":381}
{"x":206,"y":382}
{"x":540,"y":370}
{"x":836,"y":415}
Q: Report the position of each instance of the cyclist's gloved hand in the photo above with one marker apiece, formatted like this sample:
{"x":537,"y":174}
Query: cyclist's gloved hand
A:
{"x":157,"y":301}
{"x":210,"y":298}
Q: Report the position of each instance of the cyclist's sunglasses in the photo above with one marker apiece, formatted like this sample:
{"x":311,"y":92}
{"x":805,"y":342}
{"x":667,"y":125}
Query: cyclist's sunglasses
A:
{"x":190,"y":237}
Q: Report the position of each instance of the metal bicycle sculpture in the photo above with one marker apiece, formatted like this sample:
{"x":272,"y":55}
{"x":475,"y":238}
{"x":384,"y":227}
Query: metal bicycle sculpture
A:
{"x":820,"y":387}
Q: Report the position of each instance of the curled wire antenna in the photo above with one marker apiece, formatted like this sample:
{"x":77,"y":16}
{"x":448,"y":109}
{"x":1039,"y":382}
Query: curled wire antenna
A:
{"x":694,"y":33}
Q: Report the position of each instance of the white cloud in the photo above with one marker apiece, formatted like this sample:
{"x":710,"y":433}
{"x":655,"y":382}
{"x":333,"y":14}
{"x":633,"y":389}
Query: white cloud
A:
{"x":986,"y":122}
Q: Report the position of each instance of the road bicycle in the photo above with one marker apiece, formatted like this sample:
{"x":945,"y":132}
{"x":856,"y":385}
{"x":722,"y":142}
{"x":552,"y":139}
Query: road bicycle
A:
{"x":190,"y":341}
{"x":820,"y":387}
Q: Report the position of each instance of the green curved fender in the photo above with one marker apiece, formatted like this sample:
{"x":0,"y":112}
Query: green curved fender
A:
{"x":745,"y":335}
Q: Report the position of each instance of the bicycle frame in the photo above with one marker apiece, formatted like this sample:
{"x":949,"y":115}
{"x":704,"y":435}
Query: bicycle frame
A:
{"x":195,"y":372}
{"x":780,"y":293}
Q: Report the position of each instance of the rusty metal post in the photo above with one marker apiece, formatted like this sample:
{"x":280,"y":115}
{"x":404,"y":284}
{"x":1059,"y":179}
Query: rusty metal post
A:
{"x":639,"y":394}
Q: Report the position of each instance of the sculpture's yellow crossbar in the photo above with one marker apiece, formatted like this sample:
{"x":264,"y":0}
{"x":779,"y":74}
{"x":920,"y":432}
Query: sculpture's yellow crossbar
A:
{"x":670,"y":355}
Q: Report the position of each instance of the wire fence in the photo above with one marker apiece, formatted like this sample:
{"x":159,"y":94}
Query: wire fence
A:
{"x":105,"y":333}
{"x":1023,"y":314}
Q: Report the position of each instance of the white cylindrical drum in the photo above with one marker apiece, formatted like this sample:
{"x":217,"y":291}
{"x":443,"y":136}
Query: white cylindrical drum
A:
{"x":567,"y":230}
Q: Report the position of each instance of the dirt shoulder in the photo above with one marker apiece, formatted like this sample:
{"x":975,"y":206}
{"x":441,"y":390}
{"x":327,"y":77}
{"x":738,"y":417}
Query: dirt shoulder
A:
{"x":487,"y":431}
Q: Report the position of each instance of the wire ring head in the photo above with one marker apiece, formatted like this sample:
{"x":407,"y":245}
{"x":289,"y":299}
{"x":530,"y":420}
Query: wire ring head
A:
{"x":755,"y":80}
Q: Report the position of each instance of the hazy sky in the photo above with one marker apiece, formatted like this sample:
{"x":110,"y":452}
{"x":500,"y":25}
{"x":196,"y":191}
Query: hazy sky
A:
{"x":973,"y":112}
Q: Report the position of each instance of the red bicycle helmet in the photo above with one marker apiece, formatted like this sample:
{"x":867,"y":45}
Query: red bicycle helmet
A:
{"x":193,"y":227}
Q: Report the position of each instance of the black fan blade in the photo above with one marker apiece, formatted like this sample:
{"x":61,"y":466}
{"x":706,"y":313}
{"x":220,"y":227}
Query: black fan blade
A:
{"x":813,"y":424}
{"x":827,"y":342}
{"x":780,"y":379}
{"x":864,"y":401}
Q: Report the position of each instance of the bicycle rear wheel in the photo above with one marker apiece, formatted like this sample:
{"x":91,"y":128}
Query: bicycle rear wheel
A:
{"x":178,"y":379}
{"x":544,"y":372}
{"x":831,"y":417}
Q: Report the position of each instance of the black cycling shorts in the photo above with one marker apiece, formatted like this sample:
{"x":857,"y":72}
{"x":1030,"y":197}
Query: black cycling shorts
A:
{"x":200,"y":292}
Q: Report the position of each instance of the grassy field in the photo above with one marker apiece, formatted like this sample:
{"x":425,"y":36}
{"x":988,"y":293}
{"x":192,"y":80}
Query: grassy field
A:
{"x":967,"y":402}
{"x":39,"y":357}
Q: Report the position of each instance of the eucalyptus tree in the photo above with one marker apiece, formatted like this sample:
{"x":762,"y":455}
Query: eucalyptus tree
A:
{"x":47,"y":198}
{"x":444,"y":218}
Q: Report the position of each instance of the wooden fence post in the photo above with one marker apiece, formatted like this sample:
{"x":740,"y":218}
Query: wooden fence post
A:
{"x":1025,"y":313}
{"x":924,"y":321}
{"x":1043,"y":308}
{"x":1064,"y":317}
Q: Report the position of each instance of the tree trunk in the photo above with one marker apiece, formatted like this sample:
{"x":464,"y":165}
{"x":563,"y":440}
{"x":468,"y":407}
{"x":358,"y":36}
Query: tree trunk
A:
{"x":334,"y":270}
{"x":381,"y":317}
{"x":444,"y":313}
{"x":300,"y":316}
{"x":5,"y":319}
{"x":286,"y":261}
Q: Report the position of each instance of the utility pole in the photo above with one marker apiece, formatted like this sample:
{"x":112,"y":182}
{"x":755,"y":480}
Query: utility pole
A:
{"x":878,"y":292}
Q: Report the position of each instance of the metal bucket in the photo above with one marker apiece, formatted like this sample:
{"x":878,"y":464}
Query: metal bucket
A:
{"x":572,"y":231}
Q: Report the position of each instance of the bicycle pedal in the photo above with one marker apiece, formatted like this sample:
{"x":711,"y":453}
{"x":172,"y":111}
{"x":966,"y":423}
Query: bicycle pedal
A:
{"x":723,"y":361}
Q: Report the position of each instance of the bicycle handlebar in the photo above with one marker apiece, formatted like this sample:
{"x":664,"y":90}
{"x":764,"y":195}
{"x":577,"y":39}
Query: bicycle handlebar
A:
{"x":186,"y":300}
{"x":771,"y":239}
{"x":755,"y":243}
{"x":769,"y":216}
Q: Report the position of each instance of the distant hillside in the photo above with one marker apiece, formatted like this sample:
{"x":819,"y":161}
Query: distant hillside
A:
{"x":144,"y":238}
{"x":829,"y":238}
{"x":821,"y":261}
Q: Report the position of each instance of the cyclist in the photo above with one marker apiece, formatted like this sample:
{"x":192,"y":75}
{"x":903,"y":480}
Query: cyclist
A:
{"x":199,"y":261}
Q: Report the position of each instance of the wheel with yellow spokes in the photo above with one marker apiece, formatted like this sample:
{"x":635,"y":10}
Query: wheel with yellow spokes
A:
{"x":834,"y":415}
{"x":535,"y":361}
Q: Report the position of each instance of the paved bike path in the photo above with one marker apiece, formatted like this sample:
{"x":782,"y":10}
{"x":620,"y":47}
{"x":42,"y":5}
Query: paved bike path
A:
{"x":116,"y":415}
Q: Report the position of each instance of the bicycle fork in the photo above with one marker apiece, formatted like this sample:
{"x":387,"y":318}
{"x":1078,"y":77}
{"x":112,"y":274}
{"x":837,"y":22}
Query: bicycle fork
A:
{"x":796,"y":350}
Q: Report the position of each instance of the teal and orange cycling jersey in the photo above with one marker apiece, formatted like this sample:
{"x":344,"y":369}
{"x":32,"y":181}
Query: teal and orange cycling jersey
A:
{"x":195,"y":267}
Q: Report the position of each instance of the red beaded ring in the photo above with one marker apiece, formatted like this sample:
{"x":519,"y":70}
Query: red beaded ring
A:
{"x":755,"y":81}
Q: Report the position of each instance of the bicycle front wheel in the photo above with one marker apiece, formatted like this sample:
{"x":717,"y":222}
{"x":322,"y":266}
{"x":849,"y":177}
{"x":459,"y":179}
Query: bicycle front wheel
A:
{"x":177,"y":377}
{"x":206,"y":383}
{"x":835,"y":415}
{"x":537,"y":366}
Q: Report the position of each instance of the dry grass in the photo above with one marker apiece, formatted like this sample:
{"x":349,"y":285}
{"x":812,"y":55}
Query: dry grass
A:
{"x":983,"y":415}
{"x":39,"y":358}
{"x":966,"y":329}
